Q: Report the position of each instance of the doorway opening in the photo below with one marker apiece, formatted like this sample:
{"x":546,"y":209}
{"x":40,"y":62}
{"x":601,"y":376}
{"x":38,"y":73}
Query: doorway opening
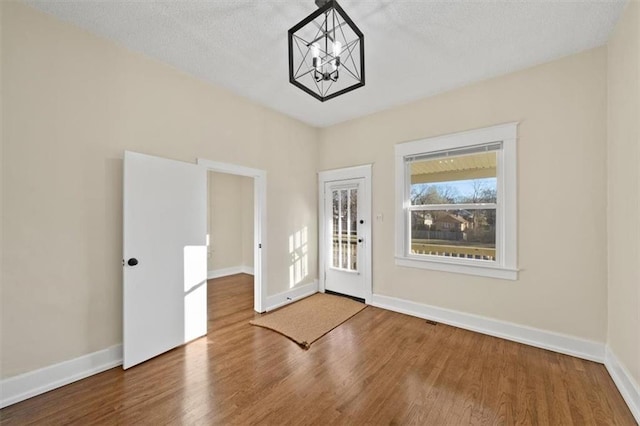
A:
{"x":230,"y":232}
{"x":229,"y":225}
{"x":242,"y":253}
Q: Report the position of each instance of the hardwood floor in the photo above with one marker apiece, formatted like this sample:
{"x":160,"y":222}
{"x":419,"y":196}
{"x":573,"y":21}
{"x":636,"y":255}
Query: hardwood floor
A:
{"x":379,"y":367}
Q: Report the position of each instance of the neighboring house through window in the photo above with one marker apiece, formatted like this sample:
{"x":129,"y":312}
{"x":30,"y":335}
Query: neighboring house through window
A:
{"x":456,"y":202}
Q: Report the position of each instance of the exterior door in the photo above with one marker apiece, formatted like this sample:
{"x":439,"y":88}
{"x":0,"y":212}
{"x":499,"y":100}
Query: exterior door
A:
{"x":346,"y":219}
{"x":165,"y":255}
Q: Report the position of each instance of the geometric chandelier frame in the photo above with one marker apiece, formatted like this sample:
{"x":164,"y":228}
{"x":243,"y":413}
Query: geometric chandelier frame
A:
{"x":326,"y":53}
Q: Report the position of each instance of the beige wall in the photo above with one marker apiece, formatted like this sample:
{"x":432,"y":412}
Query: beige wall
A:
{"x":230,"y":227}
{"x":624,"y":190}
{"x":72,"y":104}
{"x":561,"y":107}
{"x":247,"y":224}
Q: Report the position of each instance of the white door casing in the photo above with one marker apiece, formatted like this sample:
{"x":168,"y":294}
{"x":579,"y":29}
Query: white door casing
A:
{"x":164,"y":224}
{"x":345,"y":235}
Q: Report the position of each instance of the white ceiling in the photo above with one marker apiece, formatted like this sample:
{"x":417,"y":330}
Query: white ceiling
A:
{"x":413,"y":49}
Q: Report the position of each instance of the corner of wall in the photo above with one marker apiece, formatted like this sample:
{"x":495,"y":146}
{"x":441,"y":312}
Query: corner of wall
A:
{"x":624,"y":381}
{"x":622,"y":357}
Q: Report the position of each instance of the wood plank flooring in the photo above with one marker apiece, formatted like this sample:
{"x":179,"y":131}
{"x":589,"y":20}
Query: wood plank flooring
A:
{"x":379,"y":367}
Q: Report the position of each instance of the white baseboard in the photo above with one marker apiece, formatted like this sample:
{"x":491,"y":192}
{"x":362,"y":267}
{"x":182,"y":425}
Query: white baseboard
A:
{"x":225,"y":272}
{"x":24,"y":386}
{"x":289,"y":296}
{"x":628,"y":387}
{"x":565,"y":344}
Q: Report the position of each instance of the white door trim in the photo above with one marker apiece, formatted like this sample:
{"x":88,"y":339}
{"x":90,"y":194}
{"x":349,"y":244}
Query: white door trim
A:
{"x":355,"y":172}
{"x":259,"y":224}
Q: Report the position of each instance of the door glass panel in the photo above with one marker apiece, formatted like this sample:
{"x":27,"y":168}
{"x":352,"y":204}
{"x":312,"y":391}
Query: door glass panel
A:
{"x":344,"y":233}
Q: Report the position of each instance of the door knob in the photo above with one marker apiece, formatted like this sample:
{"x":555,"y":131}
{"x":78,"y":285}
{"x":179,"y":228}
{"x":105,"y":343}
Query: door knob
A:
{"x":132,"y":262}
{"x":359,"y":240}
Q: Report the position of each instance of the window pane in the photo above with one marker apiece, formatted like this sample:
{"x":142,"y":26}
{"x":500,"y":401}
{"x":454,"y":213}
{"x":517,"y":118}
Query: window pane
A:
{"x":454,"y":180}
{"x":469,"y":234}
{"x":344,"y":221}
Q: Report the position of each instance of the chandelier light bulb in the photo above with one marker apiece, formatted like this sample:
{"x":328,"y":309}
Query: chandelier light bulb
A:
{"x":315,"y":50}
{"x":315,"y":55}
{"x":337,"y":48}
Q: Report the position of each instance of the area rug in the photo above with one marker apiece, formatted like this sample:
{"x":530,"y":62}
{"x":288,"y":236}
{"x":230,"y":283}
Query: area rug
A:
{"x":307,"y":320}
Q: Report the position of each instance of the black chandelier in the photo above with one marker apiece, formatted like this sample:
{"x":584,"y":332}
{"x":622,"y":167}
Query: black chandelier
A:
{"x":326,"y":52}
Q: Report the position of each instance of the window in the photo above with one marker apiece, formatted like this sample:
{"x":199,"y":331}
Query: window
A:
{"x":344,"y":202}
{"x":456,"y":202}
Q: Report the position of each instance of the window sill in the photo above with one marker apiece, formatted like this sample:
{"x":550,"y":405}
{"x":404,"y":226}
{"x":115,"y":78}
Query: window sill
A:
{"x":460,"y":268}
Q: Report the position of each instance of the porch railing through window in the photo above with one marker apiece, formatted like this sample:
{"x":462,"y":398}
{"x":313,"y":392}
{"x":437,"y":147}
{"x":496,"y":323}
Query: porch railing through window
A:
{"x":345,"y":252}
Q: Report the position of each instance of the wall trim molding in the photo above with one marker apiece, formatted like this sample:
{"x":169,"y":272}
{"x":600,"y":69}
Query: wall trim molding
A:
{"x":24,"y":386}
{"x":233,"y":270}
{"x":628,"y":387}
{"x":281,"y":299}
{"x":557,"y":342}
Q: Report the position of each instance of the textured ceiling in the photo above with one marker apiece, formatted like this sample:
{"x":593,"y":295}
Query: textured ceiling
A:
{"x":413,"y":49}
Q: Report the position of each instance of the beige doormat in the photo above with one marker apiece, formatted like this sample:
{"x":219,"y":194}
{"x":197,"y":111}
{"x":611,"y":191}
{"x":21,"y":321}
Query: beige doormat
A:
{"x":309,"y":319}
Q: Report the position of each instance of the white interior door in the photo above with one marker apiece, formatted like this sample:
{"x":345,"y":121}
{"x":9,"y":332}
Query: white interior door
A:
{"x":346,"y":219}
{"x":165,"y":255}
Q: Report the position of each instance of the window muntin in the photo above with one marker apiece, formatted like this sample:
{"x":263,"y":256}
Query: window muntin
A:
{"x":453,"y":200}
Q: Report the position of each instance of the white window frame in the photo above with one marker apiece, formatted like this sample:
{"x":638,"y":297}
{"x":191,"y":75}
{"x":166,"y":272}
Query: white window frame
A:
{"x":505,"y":264}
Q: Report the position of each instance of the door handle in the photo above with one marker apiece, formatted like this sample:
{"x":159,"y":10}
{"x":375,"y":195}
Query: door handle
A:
{"x":132,"y":262}
{"x":359,"y":240}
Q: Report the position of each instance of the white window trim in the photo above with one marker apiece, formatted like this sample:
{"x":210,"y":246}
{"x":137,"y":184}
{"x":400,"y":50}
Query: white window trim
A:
{"x":505,"y":266}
